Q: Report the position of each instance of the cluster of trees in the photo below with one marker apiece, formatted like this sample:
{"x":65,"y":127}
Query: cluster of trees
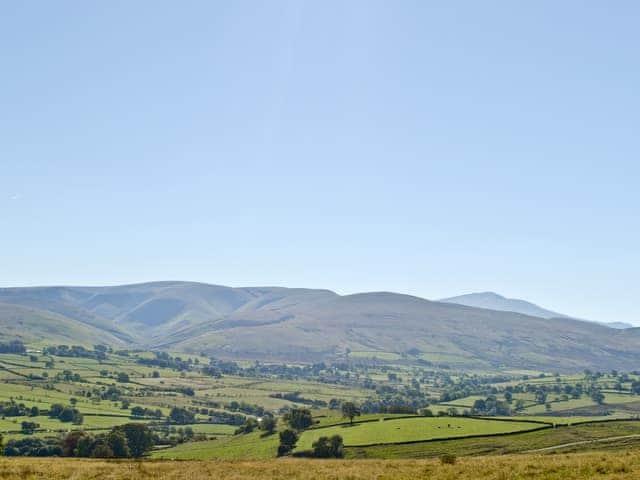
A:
{"x":164,"y":360}
{"x":325,"y":447}
{"x":267,"y":424}
{"x":28,"y":428}
{"x":14,"y":409}
{"x":68,"y":376}
{"x":77,"y":351}
{"x":247,"y":408}
{"x":298,"y":418}
{"x":146,"y":412}
{"x":288,"y":440}
{"x":14,"y":346}
{"x":328,"y":447}
{"x":181,"y":416}
{"x":124,"y":441}
{"x":490,"y":406}
{"x":66,"y":413}
{"x":131,"y":440}
{"x":33,"y":447}
{"x":221,"y":417}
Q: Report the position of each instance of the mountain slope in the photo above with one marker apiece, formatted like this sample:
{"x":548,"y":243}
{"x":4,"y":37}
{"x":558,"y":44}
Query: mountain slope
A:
{"x":274,"y":323}
{"x":388,"y":322}
{"x":493,"y":301}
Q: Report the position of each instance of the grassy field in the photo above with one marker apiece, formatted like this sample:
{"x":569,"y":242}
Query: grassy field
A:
{"x":516,"y":443}
{"x":250,"y":446}
{"x":613,"y":465}
{"x":411,"y":430}
{"x":41,"y":380}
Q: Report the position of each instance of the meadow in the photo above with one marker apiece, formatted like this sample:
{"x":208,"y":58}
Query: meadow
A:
{"x":583,"y":466}
{"x":404,"y":430}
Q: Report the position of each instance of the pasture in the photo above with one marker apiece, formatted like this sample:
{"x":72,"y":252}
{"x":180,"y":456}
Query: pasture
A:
{"x":385,"y":431}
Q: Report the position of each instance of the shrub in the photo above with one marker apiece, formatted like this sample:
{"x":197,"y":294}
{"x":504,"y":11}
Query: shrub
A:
{"x":326,"y":447}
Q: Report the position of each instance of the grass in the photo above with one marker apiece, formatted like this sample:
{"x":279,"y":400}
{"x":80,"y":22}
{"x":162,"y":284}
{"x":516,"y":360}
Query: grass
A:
{"x":411,"y":430}
{"x":519,"y":442}
{"x":251,"y":446}
{"x":584,"y":466}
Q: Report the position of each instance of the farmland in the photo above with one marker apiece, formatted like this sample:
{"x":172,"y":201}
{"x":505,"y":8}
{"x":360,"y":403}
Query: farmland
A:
{"x":404,"y":430}
{"x":405,"y":411}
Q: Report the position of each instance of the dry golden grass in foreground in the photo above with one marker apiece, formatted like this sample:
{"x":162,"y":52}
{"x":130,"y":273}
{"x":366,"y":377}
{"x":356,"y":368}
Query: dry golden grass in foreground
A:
{"x":601,"y":465}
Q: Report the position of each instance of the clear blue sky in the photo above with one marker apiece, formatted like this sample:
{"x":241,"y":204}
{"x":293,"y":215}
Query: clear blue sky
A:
{"x":420,"y":147}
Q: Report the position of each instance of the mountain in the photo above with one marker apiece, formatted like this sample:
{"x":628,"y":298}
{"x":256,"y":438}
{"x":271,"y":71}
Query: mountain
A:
{"x":493,"y":301}
{"x":295,"y":324}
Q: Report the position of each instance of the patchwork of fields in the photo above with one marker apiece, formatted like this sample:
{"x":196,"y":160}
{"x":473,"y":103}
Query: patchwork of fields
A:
{"x":107,"y":391}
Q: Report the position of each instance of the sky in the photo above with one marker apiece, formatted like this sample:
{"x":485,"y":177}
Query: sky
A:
{"x":429,"y":148}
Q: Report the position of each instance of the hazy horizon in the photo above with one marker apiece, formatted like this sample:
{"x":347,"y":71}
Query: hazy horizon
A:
{"x":428,"y":149}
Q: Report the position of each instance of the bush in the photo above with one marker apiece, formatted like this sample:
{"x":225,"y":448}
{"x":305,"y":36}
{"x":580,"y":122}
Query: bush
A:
{"x":326,"y":447}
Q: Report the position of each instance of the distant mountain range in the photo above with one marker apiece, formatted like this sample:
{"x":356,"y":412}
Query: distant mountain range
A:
{"x":493,"y":301}
{"x":295,"y":324}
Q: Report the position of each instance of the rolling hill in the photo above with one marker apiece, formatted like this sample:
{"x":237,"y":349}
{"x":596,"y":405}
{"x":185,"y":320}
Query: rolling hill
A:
{"x":274,"y":323}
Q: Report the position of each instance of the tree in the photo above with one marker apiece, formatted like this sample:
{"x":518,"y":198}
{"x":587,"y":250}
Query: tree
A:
{"x":139,"y":438}
{"x":118,"y":444}
{"x":541,"y":397}
{"x":350,"y":410}
{"x":288,"y":439}
{"x":102,"y":450}
{"x":181,"y":416}
{"x":598,"y":397}
{"x":84,"y":446}
{"x":299,"y":418}
{"x":326,"y":447}
{"x":55,"y":410}
{"x":249,"y":425}
{"x":123,"y":377}
{"x":29,"y":427}
{"x":70,"y":443}
{"x":137,"y":412}
{"x":268,"y":425}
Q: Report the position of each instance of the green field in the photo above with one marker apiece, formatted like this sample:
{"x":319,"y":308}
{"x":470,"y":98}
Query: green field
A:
{"x":516,"y":443}
{"x":411,"y":430}
{"x":252,"y":390}
{"x":250,"y":446}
